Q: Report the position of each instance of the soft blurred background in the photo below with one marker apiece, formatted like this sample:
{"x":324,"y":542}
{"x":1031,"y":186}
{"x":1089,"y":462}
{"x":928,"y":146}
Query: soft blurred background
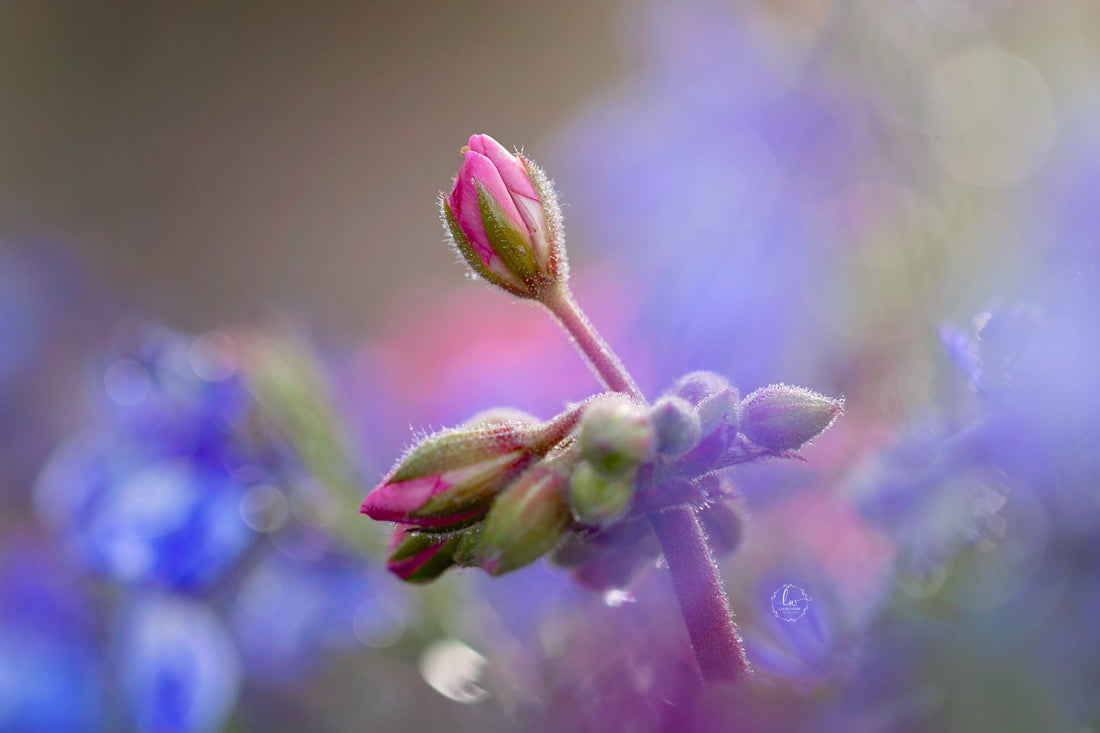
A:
{"x":224,"y":300}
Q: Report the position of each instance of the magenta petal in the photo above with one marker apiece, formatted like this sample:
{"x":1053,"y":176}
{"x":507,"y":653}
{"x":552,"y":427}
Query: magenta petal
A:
{"x":511,"y":168}
{"x":468,"y":214}
{"x":481,"y":169}
{"x":480,"y":143}
{"x":394,"y":502}
{"x":409,"y":565}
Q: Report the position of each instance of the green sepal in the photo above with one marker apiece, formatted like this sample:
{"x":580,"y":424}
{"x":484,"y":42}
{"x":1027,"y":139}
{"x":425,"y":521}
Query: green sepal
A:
{"x":466,"y":550}
{"x":527,"y":520}
{"x":435,"y":566}
{"x":511,"y":245}
{"x":478,"y":489}
{"x":462,"y":244}
{"x":556,"y":265}
{"x":598,"y":499}
{"x":458,"y":448}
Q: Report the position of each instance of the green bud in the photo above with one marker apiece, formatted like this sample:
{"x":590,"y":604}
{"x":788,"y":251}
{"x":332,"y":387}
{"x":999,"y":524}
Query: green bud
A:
{"x":598,"y":499}
{"x":615,"y":435}
{"x":525,"y":522}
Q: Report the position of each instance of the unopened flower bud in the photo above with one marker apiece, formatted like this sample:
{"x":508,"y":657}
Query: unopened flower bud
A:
{"x":598,"y":499}
{"x":503,"y":218}
{"x":720,"y":408}
{"x":781,"y":417}
{"x":697,"y":386}
{"x":526,"y":521}
{"x":716,"y":407}
{"x":451,"y":477}
{"x":417,"y":558}
{"x":676,"y":426}
{"x":615,"y":435}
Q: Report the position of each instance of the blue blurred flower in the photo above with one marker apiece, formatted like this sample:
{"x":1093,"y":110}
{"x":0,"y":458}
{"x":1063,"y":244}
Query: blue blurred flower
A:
{"x":143,"y":519}
{"x":798,"y":636}
{"x":178,"y":665}
{"x":50,"y":672}
{"x":289,"y":611}
{"x":148,"y":494}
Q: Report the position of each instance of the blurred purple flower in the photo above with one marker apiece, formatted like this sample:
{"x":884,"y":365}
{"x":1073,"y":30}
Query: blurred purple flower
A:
{"x":49,"y":318}
{"x":143,"y":519}
{"x":151,"y":491}
{"x":725,"y":236}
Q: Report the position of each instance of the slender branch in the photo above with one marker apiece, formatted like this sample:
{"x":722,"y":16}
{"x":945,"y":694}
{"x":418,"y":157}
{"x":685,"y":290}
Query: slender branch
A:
{"x":699,"y":590}
{"x":594,"y":349}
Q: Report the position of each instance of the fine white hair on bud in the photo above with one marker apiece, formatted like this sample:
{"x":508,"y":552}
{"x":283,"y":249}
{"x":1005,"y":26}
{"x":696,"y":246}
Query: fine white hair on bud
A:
{"x":782,"y":417}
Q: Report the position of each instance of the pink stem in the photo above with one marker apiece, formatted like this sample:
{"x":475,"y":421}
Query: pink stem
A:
{"x":595,"y":350}
{"x":699,"y":588}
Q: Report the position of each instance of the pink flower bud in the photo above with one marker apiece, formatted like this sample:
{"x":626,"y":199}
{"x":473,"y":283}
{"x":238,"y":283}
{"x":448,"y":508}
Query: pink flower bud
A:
{"x":451,"y":477}
{"x":781,"y":417}
{"x":503,"y":218}
{"x":418,"y":558}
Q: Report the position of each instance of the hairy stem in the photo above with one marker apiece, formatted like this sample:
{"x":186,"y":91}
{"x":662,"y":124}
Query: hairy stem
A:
{"x":699,"y":588}
{"x":595,"y":350}
{"x":701,"y":594}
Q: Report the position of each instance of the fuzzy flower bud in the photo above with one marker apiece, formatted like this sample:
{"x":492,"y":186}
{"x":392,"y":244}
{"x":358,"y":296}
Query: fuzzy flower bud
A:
{"x":616,"y":435}
{"x":676,"y":424}
{"x":698,"y":386}
{"x":598,"y":499}
{"x":503,"y":218}
{"x":451,"y":477}
{"x":418,"y":558}
{"x":781,"y":417}
{"x":720,"y":409}
{"x":526,"y":521}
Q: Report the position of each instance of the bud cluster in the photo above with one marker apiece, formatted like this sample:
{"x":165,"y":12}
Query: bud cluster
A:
{"x":505,"y":489}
